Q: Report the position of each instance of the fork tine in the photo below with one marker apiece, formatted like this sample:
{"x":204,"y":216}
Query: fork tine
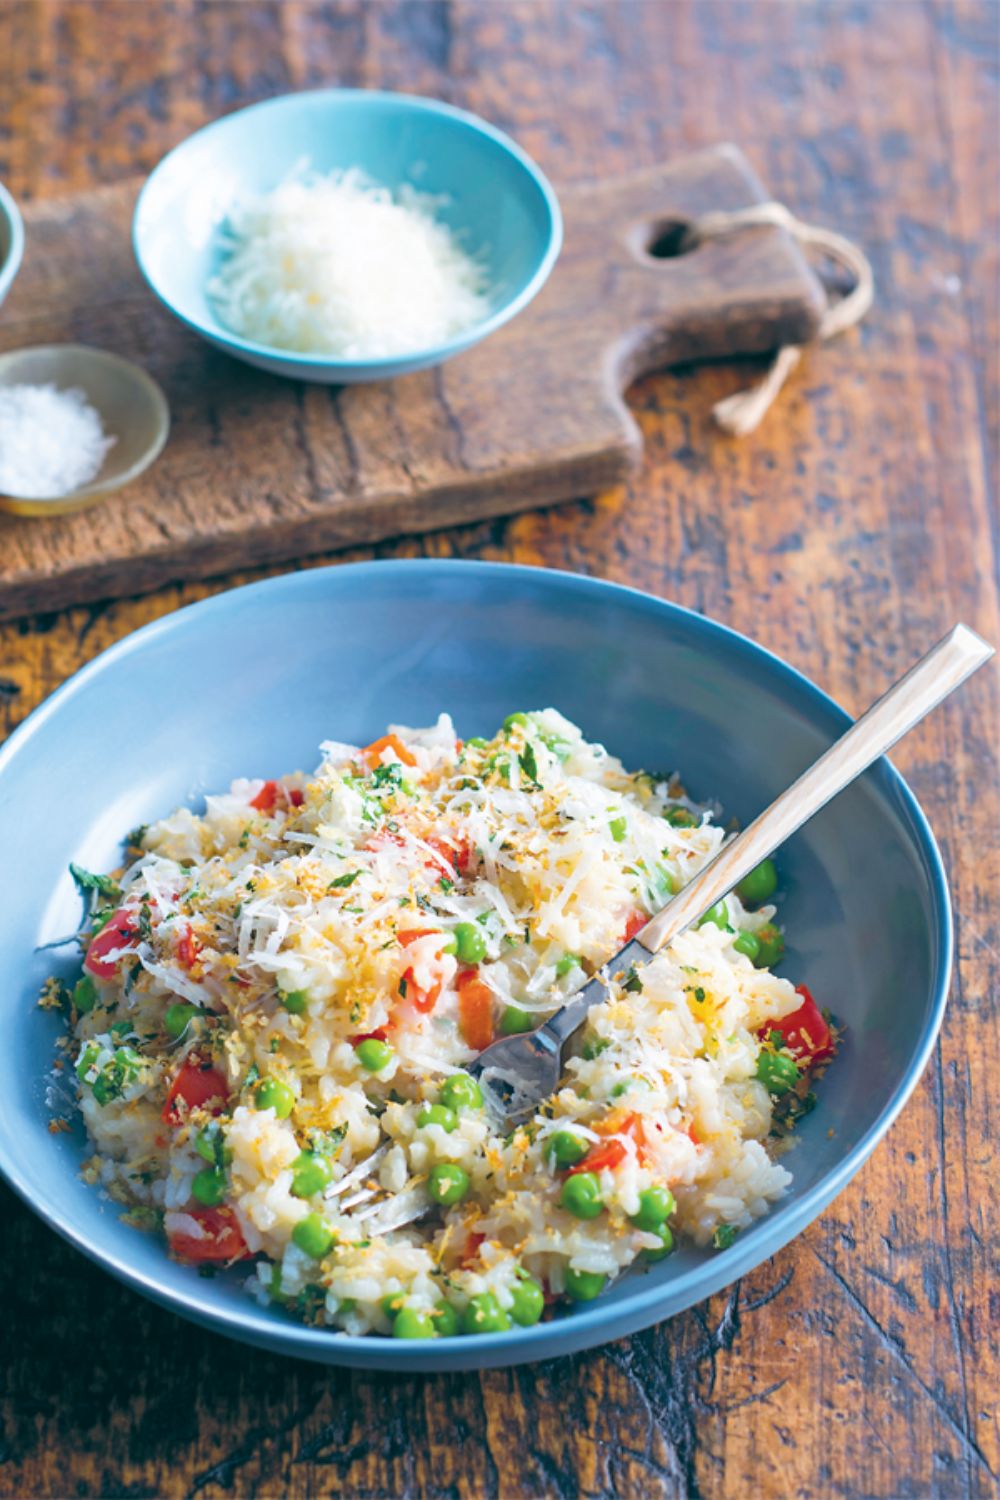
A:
{"x":357,"y":1198}
{"x":356,"y":1174}
{"x":397,"y":1212}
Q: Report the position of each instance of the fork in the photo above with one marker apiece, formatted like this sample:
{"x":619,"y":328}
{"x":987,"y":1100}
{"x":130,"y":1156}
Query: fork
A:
{"x":518,"y":1073}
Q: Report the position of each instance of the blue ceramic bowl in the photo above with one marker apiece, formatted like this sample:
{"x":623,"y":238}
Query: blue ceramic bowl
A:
{"x":11,"y":241}
{"x":249,"y":683}
{"x":499,"y":203}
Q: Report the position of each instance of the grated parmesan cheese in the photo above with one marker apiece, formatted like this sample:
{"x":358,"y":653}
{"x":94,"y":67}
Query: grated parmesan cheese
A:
{"x":339,"y":265}
{"x":51,"y":441}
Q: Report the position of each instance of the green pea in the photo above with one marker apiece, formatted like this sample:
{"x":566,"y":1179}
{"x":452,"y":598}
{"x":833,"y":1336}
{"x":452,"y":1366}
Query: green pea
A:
{"x":581,"y":1195}
{"x":461,"y":1092}
{"x":485,"y":1315}
{"x":447,"y":1323}
{"x":618,"y":828}
{"x":567,"y":1149}
{"x":568,"y":962}
{"x":627,"y":1084}
{"x":392,"y":1302}
{"x":746,"y":942}
{"x":271,"y":1093}
{"x":373,"y":1055}
{"x":477,"y":742}
{"x":85,"y":995}
{"x":313,"y":1236}
{"x":681,"y":817}
{"x":88,"y":1057}
{"x":515,"y":1019}
{"x":210,"y":1144}
{"x":584,"y":1286}
{"x":296,"y":1002}
{"x":209,"y":1186}
{"x":656,"y":1204}
{"x":470,"y":944}
{"x":513,"y":719}
{"x":410,"y":1324}
{"x":593,"y":1047}
{"x":311,"y":1173}
{"x":529,"y":1300}
{"x":438,"y":1114}
{"x":777,"y":1071}
{"x":771,"y":945}
{"x":448,"y":1183}
{"x":759,"y":884}
{"x":663,"y":1249}
{"x":718,"y":914}
{"x":177,"y":1019}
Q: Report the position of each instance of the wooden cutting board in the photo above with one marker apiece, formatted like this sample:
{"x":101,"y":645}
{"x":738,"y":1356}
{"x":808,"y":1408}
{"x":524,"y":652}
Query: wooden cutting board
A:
{"x":259,"y":469}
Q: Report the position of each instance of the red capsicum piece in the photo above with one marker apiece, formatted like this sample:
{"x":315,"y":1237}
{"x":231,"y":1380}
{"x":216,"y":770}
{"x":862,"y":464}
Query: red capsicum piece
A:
{"x":197,"y":1085}
{"x":475,"y":1010}
{"x":635,"y":923}
{"x":118,"y":932}
{"x":188,"y":949}
{"x":224,"y":1239}
{"x":610,"y":1154}
{"x":272,"y":792}
{"x":807,"y":1036}
{"x":373,"y":752}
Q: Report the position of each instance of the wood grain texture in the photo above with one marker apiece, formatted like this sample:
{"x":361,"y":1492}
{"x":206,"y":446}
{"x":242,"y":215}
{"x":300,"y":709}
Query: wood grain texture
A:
{"x":259,"y":469}
{"x":850,"y":532}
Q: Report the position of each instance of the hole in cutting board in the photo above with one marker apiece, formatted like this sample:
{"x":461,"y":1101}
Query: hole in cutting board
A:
{"x":666,"y":240}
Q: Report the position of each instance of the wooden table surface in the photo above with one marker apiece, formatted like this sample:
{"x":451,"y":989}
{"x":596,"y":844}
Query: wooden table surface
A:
{"x":846,"y":535}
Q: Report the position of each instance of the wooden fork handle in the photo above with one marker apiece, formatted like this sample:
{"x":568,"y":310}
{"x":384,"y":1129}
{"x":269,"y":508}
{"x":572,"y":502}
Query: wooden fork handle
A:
{"x":940,"y":672}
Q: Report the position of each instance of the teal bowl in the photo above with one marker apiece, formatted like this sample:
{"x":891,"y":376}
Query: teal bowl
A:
{"x":498,"y":204}
{"x":182,"y":706}
{"x":11,"y":241}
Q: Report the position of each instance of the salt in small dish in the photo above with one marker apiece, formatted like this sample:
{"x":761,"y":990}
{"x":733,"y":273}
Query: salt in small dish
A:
{"x":132,"y":408}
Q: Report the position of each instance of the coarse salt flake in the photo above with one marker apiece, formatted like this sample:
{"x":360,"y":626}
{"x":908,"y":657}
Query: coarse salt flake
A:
{"x":51,"y":441}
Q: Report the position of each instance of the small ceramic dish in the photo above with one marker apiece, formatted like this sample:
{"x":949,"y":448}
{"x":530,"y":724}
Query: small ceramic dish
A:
{"x":11,"y":241}
{"x":131,"y":405}
{"x":496,"y":201}
{"x":249,"y":683}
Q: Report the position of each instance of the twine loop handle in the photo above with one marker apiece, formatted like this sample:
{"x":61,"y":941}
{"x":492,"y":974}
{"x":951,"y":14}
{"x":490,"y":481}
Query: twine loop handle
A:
{"x":742,"y":413}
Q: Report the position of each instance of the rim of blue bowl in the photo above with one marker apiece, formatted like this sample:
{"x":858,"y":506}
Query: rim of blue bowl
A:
{"x":430,"y":353}
{"x":15,"y":250}
{"x":600,"y":1322}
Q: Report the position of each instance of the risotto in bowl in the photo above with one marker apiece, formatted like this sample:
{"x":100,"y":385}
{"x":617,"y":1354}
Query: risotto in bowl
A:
{"x":281,"y":997}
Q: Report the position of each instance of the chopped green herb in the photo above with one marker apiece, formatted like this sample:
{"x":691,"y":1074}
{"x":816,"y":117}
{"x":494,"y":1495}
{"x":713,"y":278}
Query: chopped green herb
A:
{"x":343,"y":881}
{"x":528,"y":762}
{"x":89,"y":882}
